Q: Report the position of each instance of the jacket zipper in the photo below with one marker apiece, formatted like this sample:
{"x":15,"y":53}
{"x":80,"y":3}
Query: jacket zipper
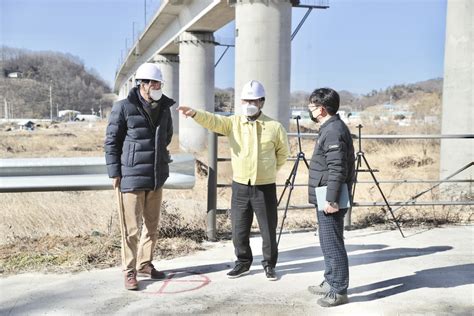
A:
{"x":150,"y":121}
{"x":156,"y":157}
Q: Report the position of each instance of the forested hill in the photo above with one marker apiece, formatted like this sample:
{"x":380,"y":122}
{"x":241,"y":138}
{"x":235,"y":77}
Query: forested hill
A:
{"x":393,"y":94}
{"x":76,"y":88}
{"x":73,"y":86}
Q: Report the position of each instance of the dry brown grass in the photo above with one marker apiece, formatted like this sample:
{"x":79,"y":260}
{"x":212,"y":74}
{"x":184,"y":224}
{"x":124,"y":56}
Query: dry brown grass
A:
{"x":58,"y":140}
{"x":78,"y":230}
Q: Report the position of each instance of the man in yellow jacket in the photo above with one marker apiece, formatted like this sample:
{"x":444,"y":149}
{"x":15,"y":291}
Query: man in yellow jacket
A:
{"x":259,"y":147}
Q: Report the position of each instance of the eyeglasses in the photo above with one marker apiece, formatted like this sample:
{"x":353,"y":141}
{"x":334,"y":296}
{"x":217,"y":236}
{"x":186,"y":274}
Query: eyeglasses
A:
{"x":152,"y":82}
{"x":255,"y":102}
{"x":314,"y":106}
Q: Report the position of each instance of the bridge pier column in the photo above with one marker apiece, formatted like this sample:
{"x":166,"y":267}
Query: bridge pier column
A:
{"x":125,"y":90}
{"x":169,"y":65}
{"x":263,"y":52}
{"x":130,"y":84}
{"x":196,"y":85}
{"x":458,"y":98}
{"x":122,"y":92}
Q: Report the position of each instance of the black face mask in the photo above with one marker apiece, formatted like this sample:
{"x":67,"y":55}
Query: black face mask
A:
{"x":315,"y":120}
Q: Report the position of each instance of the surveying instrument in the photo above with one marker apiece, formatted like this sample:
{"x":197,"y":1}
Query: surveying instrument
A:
{"x":360,"y":158}
{"x":290,"y":181}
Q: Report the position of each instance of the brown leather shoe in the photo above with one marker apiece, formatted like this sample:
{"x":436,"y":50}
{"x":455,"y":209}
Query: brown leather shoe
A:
{"x":131,"y":282}
{"x":150,"y":271}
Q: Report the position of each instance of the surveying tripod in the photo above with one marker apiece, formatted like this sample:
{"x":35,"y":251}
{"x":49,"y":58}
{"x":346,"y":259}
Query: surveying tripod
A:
{"x":290,"y":181}
{"x":360,"y":158}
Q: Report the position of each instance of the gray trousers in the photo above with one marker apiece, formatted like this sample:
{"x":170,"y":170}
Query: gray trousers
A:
{"x":331,"y":239}
{"x":261,"y":199}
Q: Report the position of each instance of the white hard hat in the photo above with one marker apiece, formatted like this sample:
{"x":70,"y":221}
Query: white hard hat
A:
{"x":149,"y":71}
{"x":252,"y":90}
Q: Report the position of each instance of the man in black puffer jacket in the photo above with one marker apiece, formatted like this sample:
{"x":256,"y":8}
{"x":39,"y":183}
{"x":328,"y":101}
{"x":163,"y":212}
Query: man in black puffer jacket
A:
{"x":139,"y":130}
{"x":332,"y":165}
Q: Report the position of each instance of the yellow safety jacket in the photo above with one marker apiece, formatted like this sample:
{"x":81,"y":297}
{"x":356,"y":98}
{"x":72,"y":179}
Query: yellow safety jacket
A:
{"x":258,"y":148}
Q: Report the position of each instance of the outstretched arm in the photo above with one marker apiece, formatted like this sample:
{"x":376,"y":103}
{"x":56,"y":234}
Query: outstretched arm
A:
{"x":216,"y":123}
{"x":186,"y":111}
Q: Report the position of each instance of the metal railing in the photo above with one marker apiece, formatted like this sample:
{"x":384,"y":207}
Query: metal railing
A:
{"x":212,"y":209}
{"x":78,"y":174}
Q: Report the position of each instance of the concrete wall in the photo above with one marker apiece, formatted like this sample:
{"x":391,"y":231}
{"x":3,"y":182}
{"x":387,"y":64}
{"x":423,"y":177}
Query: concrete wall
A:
{"x":458,"y":98}
{"x":263,"y":52}
{"x":196,"y":85}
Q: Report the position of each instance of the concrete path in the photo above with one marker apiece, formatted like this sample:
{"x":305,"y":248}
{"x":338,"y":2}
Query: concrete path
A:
{"x":429,"y":272}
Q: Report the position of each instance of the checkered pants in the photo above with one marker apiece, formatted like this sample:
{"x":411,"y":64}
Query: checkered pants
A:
{"x":331,"y":239}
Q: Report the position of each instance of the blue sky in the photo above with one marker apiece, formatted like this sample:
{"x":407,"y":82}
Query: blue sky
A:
{"x":354,"y":45}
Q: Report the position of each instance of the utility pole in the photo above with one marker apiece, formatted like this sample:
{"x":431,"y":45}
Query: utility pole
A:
{"x":6,"y":109}
{"x":145,"y":15}
{"x":50,"y":102}
{"x":133,"y":32}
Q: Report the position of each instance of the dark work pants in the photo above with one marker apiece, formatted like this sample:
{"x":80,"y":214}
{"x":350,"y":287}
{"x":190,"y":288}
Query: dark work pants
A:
{"x":261,"y":199}
{"x":331,"y":239}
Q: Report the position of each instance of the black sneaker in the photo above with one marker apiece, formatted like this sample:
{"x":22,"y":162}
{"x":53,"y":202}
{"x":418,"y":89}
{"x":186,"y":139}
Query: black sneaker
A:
{"x":270,"y":273}
{"x":238,"y":271}
{"x":333,"y":299}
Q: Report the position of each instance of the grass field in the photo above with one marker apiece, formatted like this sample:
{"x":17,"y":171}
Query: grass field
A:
{"x":79,"y":230}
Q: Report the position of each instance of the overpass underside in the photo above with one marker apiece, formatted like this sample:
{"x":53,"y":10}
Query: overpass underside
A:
{"x":180,"y":38}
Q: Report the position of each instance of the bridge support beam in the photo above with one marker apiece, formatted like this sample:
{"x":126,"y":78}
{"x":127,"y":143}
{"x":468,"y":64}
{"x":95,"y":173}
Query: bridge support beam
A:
{"x":263,"y":52}
{"x":169,"y":65}
{"x":458,"y":97}
{"x":129,"y":85}
{"x":196,"y":85}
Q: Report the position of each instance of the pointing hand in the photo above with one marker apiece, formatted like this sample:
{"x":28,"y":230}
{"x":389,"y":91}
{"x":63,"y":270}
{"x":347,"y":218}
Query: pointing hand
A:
{"x":186,"y":111}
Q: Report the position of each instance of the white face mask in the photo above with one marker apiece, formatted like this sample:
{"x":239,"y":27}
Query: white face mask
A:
{"x":249,"y":109}
{"x":156,"y":94}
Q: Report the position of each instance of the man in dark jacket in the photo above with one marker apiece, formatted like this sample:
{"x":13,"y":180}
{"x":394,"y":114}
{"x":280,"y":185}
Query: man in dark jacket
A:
{"x":138,"y":133}
{"x":332,"y":164}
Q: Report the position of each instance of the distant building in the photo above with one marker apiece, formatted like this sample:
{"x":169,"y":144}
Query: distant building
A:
{"x":431,"y":119}
{"x":344,"y":115}
{"x":15,"y":74}
{"x":354,"y":118}
{"x":87,"y":118}
{"x":26,"y":125}
{"x":389,"y":106}
{"x":68,"y":115}
{"x":303,"y":114}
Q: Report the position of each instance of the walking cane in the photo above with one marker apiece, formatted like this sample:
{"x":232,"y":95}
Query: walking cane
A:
{"x":119,"y":198}
{"x":120,"y":211}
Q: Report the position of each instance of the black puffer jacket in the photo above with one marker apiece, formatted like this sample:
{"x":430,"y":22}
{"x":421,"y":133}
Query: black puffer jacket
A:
{"x":135,"y":149}
{"x":333,"y":160}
